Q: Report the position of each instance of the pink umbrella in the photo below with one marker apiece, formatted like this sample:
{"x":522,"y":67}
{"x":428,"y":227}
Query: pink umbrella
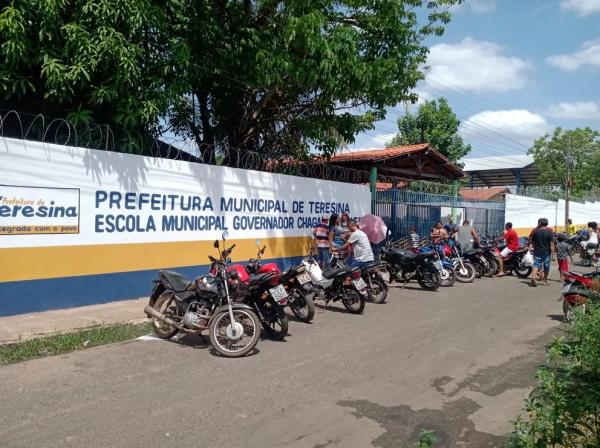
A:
{"x":374,"y":227}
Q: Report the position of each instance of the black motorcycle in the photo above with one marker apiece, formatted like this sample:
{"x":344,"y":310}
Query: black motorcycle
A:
{"x":514,"y":263}
{"x":296,"y":282}
{"x":481,"y":263}
{"x":405,"y":265}
{"x":375,"y":274}
{"x":192,"y":306}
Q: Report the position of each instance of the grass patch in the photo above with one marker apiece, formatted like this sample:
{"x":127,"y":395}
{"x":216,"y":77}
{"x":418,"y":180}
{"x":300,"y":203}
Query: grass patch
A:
{"x":68,"y":342}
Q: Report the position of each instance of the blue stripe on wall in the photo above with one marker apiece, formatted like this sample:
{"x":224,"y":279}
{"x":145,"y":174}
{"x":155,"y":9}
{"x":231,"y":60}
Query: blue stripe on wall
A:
{"x":49,"y":294}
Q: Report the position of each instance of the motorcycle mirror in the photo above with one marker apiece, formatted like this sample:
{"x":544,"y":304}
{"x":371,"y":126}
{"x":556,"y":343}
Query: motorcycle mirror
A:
{"x":216,"y":244}
{"x":257,"y":242}
{"x":225,"y":235}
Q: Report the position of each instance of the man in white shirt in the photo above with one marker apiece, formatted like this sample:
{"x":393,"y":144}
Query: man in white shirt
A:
{"x":360,"y":244}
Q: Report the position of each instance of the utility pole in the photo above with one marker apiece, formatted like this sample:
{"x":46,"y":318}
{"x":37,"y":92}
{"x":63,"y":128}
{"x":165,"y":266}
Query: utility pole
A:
{"x":569,"y":164}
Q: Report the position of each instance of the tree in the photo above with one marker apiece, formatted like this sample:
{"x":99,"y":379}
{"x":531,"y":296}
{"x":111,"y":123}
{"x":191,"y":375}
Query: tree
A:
{"x":273,"y":76}
{"x":579,"y":147}
{"x":90,"y":61}
{"x":436,"y":124}
{"x":289,"y":76}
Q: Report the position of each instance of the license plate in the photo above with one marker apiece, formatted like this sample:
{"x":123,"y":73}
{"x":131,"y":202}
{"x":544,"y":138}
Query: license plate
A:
{"x":359,"y":284}
{"x":303,"y":278}
{"x":278,"y":293}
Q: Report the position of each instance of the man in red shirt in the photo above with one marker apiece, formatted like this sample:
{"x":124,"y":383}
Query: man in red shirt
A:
{"x":512,"y":244}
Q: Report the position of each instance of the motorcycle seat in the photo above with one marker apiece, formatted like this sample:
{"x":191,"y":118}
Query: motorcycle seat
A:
{"x":257,"y":278}
{"x":331,"y":273}
{"x":406,"y":253}
{"x":177,"y":281}
{"x":373,"y":264}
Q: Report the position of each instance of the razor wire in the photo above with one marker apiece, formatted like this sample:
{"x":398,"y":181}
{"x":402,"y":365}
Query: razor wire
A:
{"x":18,"y":125}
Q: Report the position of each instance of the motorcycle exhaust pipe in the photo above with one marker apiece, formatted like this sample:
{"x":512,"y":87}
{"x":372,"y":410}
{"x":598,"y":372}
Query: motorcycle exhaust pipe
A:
{"x":151,"y":312}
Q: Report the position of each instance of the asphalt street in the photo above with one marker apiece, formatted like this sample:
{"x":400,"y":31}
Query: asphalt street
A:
{"x":459,"y":361}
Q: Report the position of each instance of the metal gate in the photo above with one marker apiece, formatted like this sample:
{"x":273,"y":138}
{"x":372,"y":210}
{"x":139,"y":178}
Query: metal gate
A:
{"x":402,"y":210}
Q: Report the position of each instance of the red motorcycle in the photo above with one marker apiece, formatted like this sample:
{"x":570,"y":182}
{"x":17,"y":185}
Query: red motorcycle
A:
{"x":575,"y":292}
{"x":296,"y":282}
{"x":264,"y":293}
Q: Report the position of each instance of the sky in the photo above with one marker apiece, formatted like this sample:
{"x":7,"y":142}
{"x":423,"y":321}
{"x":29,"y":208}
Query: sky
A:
{"x":511,"y":70}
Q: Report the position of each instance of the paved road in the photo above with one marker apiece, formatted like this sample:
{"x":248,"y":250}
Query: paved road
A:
{"x":459,"y":361}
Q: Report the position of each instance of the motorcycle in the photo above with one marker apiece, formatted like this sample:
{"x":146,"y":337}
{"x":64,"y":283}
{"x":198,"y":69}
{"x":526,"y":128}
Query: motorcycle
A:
{"x":589,"y":255}
{"x":295,"y":280}
{"x":465,"y":271}
{"x":404,"y":265}
{"x":576,"y":295}
{"x":514,"y":263}
{"x":375,"y":275}
{"x":445,"y":267}
{"x":345,"y":284}
{"x":481,"y":263}
{"x":193,"y":306}
{"x":265,"y":295}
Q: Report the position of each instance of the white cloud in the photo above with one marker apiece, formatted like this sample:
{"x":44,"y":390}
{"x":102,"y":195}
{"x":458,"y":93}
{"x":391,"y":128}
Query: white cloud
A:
{"x":588,"y":54}
{"x":579,"y":110}
{"x":476,"y":66}
{"x":581,"y":7}
{"x":477,"y":6}
{"x":504,"y":129}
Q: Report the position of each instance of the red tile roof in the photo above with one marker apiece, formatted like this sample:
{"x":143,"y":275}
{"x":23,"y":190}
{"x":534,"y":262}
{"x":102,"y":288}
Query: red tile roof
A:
{"x":378,"y":154}
{"x":481,"y":194}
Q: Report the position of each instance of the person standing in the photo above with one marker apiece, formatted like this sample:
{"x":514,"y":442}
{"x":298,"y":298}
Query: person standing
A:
{"x":438,"y":233}
{"x":562,"y":255}
{"x":360,"y":245}
{"x":336,"y":232}
{"x":543,"y":243}
{"x":570,"y":227}
{"x":321,"y":241}
{"x":512,"y":244}
{"x":415,"y":239}
{"x":466,"y":236}
{"x":451,"y":228}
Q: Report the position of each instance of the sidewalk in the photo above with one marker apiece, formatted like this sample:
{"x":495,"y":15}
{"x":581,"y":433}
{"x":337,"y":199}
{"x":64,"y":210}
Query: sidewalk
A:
{"x":29,"y":326}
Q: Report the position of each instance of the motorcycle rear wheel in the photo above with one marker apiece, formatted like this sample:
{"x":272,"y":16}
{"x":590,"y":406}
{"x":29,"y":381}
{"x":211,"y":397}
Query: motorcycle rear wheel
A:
{"x":353,"y":301}
{"x":465,"y":274}
{"x":378,"y":293}
{"x":479,"y":269}
{"x":275,"y":322}
{"x":303,"y":306}
{"x":523,"y":271}
{"x":227,"y":346}
{"x":162,"y":329}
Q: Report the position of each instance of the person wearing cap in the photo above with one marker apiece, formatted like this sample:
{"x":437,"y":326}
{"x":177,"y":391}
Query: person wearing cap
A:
{"x":321,"y":241}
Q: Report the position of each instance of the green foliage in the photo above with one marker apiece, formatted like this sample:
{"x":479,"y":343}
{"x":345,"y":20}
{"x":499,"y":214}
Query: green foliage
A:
{"x":427,"y":439}
{"x":436,"y":124}
{"x":280,"y":77}
{"x":68,"y":342}
{"x":564,"y":408}
{"x":582,"y":145}
{"x":102,"y":61}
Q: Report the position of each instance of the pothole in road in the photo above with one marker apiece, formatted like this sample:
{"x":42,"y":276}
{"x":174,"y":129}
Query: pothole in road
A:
{"x":402,"y":424}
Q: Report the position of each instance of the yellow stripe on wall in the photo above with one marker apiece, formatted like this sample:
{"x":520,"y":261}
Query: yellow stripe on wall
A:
{"x":33,"y":263}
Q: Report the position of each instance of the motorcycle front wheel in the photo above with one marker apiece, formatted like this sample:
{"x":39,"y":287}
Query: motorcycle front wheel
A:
{"x":379,"y":291}
{"x":429,"y":278}
{"x":479,"y":269}
{"x":237,"y":338}
{"x":522,"y":271}
{"x":447,"y":277}
{"x":275,"y":321}
{"x":303,"y":306}
{"x":353,"y":301}
{"x":465,"y":273}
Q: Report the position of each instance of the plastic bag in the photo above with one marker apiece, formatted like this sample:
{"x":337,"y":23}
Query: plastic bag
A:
{"x":528,"y":259}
